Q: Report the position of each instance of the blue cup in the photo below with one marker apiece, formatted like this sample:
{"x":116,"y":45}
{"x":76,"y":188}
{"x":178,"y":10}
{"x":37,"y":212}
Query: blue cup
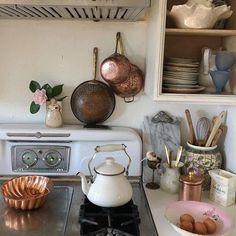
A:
{"x":224,"y":60}
{"x":220,"y":78}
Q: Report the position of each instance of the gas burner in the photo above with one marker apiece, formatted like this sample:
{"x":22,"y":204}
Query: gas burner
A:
{"x":103,"y":221}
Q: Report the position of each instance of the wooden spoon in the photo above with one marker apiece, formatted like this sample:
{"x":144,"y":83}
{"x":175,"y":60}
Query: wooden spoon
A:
{"x":192,"y":137}
{"x":218,"y":135}
{"x":219,"y":120}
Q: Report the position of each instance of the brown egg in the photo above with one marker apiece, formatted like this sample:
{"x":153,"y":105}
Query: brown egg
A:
{"x":186,"y":217}
{"x":210,"y":225}
{"x":200,"y":228}
{"x":186,"y":225}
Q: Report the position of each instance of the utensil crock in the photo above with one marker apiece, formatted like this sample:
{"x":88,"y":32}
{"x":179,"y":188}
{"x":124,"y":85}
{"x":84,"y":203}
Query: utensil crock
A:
{"x":201,"y":160}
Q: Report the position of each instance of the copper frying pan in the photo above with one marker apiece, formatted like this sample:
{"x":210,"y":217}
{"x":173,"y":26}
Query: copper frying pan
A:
{"x":93,"y":101}
{"x":116,"y":68}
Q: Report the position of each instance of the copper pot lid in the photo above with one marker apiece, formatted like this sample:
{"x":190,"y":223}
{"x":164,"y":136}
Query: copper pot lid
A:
{"x":191,"y":179}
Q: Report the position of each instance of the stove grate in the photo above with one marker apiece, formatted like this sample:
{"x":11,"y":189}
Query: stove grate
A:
{"x":102,"y":221}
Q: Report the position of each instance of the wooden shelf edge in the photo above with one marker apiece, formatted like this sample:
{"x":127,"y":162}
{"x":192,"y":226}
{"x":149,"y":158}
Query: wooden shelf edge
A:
{"x":199,"y":32}
{"x":207,"y":99}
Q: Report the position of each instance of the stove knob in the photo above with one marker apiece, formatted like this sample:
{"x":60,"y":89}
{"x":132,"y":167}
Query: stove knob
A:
{"x":38,"y":135}
{"x":52,"y":158}
{"x":29,"y":158}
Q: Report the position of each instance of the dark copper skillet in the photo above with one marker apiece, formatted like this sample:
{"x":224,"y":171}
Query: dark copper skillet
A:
{"x":93,"y":101}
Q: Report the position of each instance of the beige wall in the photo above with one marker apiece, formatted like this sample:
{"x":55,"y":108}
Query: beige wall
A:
{"x":58,"y":52}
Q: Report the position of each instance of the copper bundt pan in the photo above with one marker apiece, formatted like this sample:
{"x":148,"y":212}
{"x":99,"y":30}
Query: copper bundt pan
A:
{"x":26,"y":192}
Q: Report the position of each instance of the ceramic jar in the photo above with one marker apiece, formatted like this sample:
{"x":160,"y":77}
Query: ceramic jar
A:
{"x":170,"y":178}
{"x":202,"y":159}
{"x":54,"y":114}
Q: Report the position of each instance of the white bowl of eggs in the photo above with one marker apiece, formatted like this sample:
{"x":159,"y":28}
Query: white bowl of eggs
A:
{"x":192,"y":218}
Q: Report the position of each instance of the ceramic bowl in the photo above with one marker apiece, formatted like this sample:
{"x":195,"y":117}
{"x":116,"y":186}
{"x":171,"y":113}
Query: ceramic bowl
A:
{"x":200,"y":211}
{"x":26,"y":192}
{"x":198,"y":16}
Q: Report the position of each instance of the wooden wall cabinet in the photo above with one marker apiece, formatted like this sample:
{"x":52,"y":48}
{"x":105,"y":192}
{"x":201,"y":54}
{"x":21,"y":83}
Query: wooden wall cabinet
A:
{"x":165,"y":40}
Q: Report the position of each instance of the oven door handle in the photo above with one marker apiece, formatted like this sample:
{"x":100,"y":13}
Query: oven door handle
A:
{"x":110,"y":148}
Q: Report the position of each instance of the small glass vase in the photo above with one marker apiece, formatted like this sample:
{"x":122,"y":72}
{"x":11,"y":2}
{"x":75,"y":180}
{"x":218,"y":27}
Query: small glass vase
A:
{"x":53,"y":117}
{"x":202,"y":159}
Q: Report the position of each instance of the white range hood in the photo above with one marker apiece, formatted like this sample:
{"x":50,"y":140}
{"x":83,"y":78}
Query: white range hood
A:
{"x":96,"y":10}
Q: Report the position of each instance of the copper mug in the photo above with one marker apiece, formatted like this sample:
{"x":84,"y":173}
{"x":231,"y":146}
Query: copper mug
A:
{"x":190,"y":187}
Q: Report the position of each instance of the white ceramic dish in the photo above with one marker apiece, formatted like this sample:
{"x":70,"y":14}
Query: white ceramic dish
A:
{"x":199,"y":211}
{"x":180,"y":77}
{"x":179,"y":81}
{"x":177,"y":73}
{"x":180,"y":69}
{"x":180,"y":86}
{"x":181,"y":60}
{"x":198,"y":16}
{"x":185,"y":65}
{"x":184,"y":90}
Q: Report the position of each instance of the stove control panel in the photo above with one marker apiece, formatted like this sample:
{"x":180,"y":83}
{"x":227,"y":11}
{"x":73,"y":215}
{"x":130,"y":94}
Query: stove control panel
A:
{"x":43,"y":158}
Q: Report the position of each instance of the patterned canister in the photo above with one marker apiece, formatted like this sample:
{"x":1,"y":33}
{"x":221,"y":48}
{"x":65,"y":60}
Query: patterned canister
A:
{"x":202,"y":159}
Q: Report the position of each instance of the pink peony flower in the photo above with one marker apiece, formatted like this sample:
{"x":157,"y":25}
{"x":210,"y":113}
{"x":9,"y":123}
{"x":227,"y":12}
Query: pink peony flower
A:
{"x":40,"y":97}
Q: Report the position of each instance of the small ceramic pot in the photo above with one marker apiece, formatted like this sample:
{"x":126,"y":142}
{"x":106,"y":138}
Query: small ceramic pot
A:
{"x":170,"y":178}
{"x":53,"y":117}
{"x":201,"y":160}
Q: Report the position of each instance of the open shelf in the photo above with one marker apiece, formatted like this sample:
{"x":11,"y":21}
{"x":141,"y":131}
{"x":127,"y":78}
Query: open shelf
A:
{"x":201,"y":32}
{"x":167,"y":41}
{"x":198,"y":98}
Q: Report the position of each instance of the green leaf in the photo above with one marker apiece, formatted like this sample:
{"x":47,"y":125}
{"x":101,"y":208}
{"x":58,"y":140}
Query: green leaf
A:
{"x":60,"y":99}
{"x":57,"y":90}
{"x":34,"y":108}
{"x":48,"y":89}
{"x":34,"y":85}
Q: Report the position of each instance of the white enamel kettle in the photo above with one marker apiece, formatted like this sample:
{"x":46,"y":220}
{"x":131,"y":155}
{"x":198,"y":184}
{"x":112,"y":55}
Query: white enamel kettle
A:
{"x":110,"y":187}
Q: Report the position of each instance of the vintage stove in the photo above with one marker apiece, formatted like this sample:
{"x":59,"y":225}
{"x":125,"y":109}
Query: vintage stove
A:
{"x":27,"y":149}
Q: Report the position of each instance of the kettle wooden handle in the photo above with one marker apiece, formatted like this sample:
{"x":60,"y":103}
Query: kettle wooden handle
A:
{"x":110,"y":148}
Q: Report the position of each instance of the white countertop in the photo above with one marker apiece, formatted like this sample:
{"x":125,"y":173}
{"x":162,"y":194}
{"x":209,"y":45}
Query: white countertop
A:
{"x":158,"y":201}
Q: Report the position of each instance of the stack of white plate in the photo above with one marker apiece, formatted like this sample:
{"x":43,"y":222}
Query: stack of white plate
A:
{"x":180,"y":75}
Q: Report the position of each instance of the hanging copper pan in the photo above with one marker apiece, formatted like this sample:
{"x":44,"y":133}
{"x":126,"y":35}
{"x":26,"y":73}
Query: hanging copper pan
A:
{"x":115,"y":69}
{"x":131,"y":86}
{"x":93,"y":101}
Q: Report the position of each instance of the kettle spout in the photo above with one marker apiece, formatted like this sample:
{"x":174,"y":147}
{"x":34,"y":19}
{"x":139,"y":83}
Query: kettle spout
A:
{"x":84,"y":183}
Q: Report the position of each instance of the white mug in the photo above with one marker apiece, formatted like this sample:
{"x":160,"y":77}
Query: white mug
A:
{"x":208,"y":60}
{"x":207,"y":64}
